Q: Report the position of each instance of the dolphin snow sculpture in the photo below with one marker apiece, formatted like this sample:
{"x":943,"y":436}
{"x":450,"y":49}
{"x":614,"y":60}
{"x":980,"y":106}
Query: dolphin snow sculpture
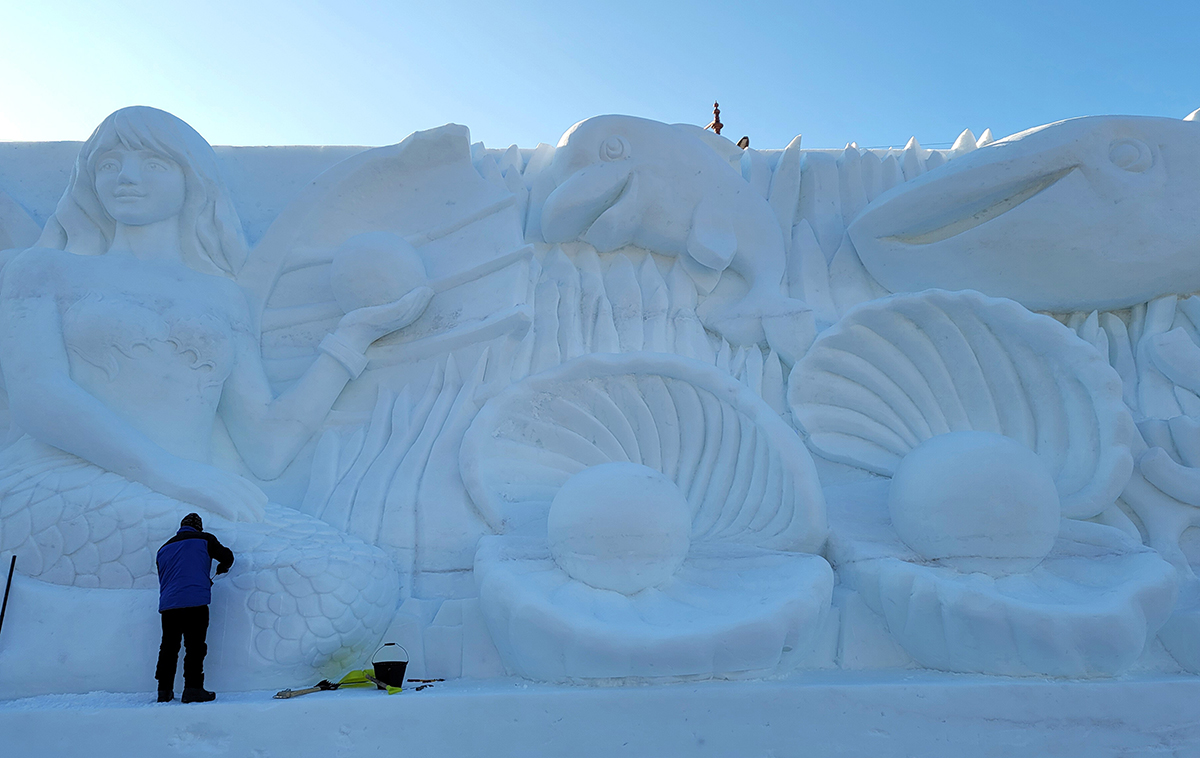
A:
{"x":1091,"y":213}
{"x":631,"y":181}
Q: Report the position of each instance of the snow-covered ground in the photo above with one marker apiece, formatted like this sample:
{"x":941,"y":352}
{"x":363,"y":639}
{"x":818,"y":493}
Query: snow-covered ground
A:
{"x":877,"y":714}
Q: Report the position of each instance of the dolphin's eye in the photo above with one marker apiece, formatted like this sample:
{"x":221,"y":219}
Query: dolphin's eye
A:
{"x":1131,"y":155}
{"x":614,"y":149}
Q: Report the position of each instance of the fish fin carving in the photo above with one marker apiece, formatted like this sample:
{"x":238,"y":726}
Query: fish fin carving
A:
{"x":616,"y":226}
{"x":711,"y":240}
{"x":705,"y":278}
{"x":576,"y":203}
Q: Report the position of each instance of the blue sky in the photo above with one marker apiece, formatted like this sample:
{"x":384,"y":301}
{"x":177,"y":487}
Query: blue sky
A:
{"x":368,"y":73}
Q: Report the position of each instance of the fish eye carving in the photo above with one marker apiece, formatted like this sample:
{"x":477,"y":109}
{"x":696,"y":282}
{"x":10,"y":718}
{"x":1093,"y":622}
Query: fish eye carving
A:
{"x":1131,"y":155}
{"x":614,"y":149}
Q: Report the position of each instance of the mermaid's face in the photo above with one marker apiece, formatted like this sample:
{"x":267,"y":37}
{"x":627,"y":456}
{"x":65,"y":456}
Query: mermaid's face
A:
{"x":139,"y":187}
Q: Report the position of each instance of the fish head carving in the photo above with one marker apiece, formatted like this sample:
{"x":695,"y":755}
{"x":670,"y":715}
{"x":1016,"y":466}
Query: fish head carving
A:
{"x":1100,"y":212}
{"x":625,"y":180}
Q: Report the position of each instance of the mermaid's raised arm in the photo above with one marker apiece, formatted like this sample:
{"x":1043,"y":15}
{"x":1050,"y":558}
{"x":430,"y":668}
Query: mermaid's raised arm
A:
{"x":268,"y":431}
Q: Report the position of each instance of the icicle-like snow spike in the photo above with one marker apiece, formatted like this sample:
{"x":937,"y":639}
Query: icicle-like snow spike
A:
{"x":1088,"y":326}
{"x":985,"y":139}
{"x":322,"y":475}
{"x":367,"y":491}
{"x":853,"y":196}
{"x":349,"y":513}
{"x":913,"y":160}
{"x":604,"y":335}
{"x":1120,"y":356}
{"x":440,"y":491}
{"x":872,"y":174}
{"x":724,"y":356}
{"x":511,"y":160}
{"x":774,"y":391}
{"x":756,"y":170}
{"x":889,"y":172}
{"x":559,"y":269}
{"x":820,"y":200}
{"x":516,"y":185}
{"x":522,"y":363}
{"x":489,"y":170}
{"x":737,"y":366}
{"x":1156,"y":396}
{"x":591,"y":283}
{"x":542,"y":155}
{"x":654,"y":307}
{"x":850,"y":283}
{"x":786,"y":187}
{"x":546,"y":353}
{"x":1090,"y":331}
{"x":523,"y":360}
{"x":754,"y":369}
{"x":352,"y":444}
{"x":621,"y":284}
{"x":398,"y":529}
{"x":965,"y":143}
{"x":688,"y":337}
{"x":808,"y":275}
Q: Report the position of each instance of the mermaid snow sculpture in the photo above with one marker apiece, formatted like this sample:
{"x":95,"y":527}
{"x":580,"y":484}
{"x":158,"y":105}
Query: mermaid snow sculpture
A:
{"x":125,"y":341}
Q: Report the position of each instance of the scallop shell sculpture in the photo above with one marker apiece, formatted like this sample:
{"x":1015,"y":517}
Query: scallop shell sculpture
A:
{"x":896,"y":371}
{"x":750,"y":597}
{"x":1087,"y":610}
{"x":899,"y":371}
{"x":747,"y":476}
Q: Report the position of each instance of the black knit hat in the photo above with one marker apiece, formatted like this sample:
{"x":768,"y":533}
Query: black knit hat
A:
{"x":193,"y":520}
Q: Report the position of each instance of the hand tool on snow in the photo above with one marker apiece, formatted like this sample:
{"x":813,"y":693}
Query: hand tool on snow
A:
{"x":356,"y":678}
{"x":12,"y":565}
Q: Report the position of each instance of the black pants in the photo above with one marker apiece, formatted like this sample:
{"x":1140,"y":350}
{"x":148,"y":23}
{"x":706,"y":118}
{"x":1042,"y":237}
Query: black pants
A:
{"x":190,"y":624}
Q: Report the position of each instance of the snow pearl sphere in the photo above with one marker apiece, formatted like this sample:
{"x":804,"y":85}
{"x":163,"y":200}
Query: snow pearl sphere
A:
{"x":975,"y":501}
{"x":620,"y":526}
{"x":374,"y":268}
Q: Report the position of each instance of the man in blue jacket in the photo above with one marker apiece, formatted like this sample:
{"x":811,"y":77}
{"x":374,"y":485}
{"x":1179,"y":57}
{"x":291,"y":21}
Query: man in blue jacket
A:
{"x":184,"y":592}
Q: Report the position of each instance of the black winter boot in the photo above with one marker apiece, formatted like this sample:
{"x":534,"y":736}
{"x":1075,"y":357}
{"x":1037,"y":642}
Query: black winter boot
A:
{"x":165,"y":696}
{"x":197,"y":695}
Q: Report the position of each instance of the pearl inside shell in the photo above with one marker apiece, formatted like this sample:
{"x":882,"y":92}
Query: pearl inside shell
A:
{"x":620,"y":526}
{"x":977,"y":502}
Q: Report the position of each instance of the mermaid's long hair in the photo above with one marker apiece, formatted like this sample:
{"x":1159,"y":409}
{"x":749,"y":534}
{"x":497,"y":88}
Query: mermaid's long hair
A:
{"x":209,"y":228}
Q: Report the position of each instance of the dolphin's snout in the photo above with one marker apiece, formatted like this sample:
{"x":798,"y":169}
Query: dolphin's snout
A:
{"x":576,"y":204}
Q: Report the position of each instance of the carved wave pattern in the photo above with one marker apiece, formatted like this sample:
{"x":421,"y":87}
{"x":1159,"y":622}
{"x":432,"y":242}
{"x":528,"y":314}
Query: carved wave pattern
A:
{"x":895,"y":372}
{"x":747,"y":476}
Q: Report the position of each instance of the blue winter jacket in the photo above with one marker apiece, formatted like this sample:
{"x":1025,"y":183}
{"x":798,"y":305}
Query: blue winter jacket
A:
{"x":183,"y":565}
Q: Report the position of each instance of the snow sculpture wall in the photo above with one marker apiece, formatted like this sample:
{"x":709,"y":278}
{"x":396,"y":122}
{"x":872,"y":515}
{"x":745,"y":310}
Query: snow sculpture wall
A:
{"x":549,"y":412}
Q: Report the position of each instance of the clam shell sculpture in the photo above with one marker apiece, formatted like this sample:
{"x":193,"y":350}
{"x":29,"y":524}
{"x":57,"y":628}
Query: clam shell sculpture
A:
{"x":895,"y":372}
{"x":900,"y":371}
{"x":1087,"y":610}
{"x":749,"y":596}
{"x":746,"y":475}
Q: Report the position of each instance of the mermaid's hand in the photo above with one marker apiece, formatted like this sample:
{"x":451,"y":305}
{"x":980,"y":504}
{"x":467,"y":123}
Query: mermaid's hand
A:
{"x":362,"y":326}
{"x":217,"y":491}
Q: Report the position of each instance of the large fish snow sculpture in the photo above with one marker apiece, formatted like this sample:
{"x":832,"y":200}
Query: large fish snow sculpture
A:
{"x":1101,"y":212}
{"x":631,"y":181}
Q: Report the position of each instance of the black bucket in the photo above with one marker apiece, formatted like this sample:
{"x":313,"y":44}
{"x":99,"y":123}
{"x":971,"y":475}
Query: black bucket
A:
{"x":390,"y":672}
